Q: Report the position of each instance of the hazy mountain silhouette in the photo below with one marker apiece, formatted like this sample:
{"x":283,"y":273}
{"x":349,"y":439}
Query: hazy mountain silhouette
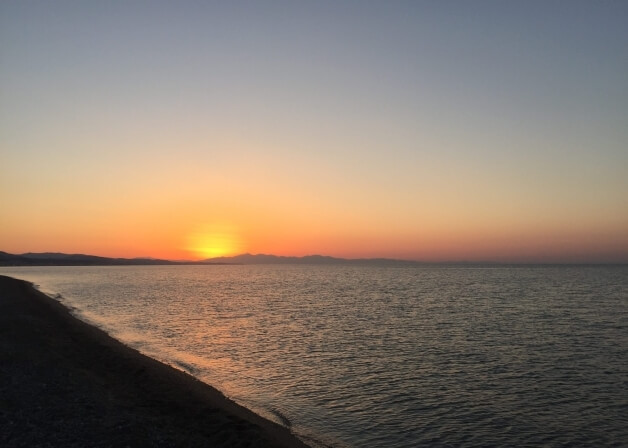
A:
{"x":308,"y":259}
{"x":61,"y":259}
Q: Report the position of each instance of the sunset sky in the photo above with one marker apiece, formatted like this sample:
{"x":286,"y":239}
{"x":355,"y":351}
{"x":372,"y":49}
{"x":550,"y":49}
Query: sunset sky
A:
{"x":435,"y":130}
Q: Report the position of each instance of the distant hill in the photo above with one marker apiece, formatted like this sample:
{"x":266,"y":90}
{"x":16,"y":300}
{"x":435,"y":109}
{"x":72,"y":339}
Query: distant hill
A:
{"x":308,"y":259}
{"x":273,"y":259}
{"x":61,"y":259}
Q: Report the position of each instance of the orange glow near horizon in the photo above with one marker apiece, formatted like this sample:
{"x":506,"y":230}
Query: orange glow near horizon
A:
{"x":215,"y":241}
{"x":165,"y":232}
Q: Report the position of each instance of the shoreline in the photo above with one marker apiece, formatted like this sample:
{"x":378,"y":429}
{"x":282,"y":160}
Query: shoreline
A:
{"x":64,"y":382}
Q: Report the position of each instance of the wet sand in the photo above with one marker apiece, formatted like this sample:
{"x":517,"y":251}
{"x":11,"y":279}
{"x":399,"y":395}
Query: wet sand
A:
{"x":65,"y":383}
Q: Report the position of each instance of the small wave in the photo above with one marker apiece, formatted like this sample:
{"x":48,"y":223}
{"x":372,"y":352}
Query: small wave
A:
{"x":285,"y":421}
{"x":187,"y":367}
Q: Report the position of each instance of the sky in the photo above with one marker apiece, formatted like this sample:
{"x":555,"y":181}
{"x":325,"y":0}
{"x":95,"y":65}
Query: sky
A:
{"x":423,"y":130}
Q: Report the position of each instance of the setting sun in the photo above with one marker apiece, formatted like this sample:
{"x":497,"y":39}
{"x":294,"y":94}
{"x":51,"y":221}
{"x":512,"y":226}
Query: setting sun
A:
{"x":215,"y":242}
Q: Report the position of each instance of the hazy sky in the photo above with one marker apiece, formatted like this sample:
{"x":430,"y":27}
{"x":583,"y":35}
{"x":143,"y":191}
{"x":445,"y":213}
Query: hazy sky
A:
{"x":424,"y":130}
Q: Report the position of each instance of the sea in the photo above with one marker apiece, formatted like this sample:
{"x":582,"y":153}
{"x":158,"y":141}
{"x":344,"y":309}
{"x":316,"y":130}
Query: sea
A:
{"x":382,"y":356}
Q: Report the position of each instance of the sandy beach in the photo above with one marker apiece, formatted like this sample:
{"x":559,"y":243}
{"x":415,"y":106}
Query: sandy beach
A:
{"x":66,"y":383}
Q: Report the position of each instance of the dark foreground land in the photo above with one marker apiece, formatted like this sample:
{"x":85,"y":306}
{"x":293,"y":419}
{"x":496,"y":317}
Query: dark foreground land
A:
{"x":64,"y":383}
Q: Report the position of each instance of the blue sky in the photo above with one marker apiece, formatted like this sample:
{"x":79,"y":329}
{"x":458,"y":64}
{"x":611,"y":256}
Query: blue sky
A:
{"x":376,"y":128}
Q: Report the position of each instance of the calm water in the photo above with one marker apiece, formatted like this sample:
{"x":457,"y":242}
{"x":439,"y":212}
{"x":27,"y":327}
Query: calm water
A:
{"x":384,"y":357}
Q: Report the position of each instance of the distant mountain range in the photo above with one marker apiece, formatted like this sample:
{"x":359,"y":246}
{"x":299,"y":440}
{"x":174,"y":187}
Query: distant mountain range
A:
{"x":308,"y":259}
{"x":61,"y":259}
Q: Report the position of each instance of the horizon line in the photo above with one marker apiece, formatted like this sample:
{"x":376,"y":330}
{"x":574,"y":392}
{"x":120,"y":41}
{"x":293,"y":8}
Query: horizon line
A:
{"x":314,"y":255}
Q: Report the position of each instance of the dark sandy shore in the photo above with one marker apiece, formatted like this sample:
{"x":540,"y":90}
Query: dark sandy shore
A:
{"x":64,"y":383}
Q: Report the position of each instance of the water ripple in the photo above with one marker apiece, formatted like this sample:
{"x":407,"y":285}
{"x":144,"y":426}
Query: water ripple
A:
{"x":385,"y":357}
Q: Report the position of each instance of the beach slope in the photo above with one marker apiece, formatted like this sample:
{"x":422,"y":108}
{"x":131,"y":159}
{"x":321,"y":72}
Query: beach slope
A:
{"x":66,"y":383}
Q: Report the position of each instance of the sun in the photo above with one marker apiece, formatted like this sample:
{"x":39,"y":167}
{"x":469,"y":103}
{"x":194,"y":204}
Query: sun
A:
{"x":211,"y":243}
